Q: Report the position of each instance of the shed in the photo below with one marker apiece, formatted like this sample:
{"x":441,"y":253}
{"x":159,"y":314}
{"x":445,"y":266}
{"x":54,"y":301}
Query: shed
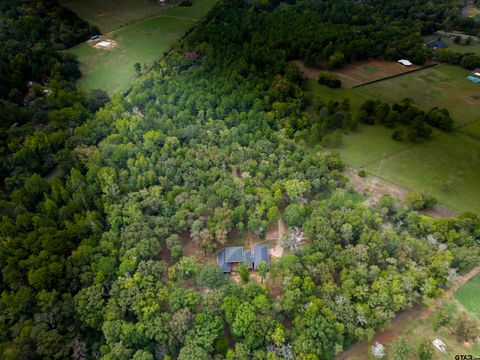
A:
{"x":405,"y":62}
{"x":437,"y":43}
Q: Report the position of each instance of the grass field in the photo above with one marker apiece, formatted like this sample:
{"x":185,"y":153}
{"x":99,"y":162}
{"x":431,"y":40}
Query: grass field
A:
{"x":469,"y":296}
{"x":144,"y":42}
{"x":112,"y":14}
{"x":473,"y":48}
{"x":448,"y":164}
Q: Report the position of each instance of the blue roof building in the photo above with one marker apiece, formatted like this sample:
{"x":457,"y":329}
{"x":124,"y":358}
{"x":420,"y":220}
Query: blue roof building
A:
{"x":437,"y":44}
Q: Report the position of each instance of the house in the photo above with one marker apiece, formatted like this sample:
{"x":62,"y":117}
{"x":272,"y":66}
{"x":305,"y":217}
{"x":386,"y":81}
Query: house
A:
{"x":437,"y":43}
{"x":405,"y":62}
{"x":236,"y":254}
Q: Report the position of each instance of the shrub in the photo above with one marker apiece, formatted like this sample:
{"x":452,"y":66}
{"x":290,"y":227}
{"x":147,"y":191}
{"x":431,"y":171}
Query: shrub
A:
{"x":362,"y":173}
{"x":329,"y":80}
{"x":420,"y":201}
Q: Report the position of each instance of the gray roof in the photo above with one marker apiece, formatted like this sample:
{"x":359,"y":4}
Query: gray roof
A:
{"x":222,"y":264}
{"x":234,"y":254}
{"x":437,"y":43}
{"x":247,"y":258}
{"x":260,"y":253}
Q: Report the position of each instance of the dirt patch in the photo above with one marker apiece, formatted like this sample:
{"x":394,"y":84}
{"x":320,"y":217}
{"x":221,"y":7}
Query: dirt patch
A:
{"x":360,"y":72}
{"x":374,"y":188}
{"x":104,"y":44}
{"x":190,"y":248}
{"x":275,"y":234}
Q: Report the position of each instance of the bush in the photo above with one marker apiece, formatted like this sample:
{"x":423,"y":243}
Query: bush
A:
{"x":329,"y":80}
{"x":362,"y":173}
{"x":420,"y":201}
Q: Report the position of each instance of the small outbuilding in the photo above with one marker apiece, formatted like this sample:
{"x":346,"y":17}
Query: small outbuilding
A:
{"x":476,"y":72}
{"x":440,"y":345}
{"x":474,"y":79}
{"x":405,"y":62}
{"x":437,"y":43}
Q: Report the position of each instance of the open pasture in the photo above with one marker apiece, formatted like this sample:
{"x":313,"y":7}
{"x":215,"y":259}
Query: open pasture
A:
{"x":448,"y":164}
{"x":112,"y":68}
{"x":474,"y":47}
{"x":112,"y":14}
{"x":469,"y":294}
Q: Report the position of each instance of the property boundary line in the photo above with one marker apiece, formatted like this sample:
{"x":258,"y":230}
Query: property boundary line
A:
{"x":394,"y":76}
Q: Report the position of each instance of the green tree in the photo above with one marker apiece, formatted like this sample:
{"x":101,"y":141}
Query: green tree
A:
{"x":262,"y":269}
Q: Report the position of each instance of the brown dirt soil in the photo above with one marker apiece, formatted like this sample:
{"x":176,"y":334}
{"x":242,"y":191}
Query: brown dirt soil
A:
{"x":359,"y":72}
{"x":374,"y":187}
{"x":402,"y":321}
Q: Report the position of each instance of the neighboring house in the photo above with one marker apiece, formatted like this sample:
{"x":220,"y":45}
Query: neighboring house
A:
{"x":236,"y":254}
{"x":476,"y":72}
{"x":405,"y":62}
{"x":437,"y":44}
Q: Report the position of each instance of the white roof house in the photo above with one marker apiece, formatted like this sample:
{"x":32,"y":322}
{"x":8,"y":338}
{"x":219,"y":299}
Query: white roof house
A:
{"x":405,"y":62}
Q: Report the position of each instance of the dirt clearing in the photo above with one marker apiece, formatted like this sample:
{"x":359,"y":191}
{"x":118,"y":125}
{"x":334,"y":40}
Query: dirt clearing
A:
{"x":360,"y":72}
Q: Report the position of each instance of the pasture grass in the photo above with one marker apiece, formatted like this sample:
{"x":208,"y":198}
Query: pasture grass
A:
{"x":469,"y":295}
{"x":474,"y":47}
{"x":143,"y":42}
{"x":446,"y":165}
{"x":108,"y":15}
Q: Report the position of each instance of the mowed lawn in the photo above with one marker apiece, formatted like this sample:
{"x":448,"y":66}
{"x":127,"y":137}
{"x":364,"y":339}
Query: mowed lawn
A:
{"x":448,"y":164}
{"x":469,"y":296}
{"x":143,"y":42}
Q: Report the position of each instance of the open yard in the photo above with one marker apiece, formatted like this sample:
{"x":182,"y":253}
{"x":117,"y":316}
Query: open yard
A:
{"x":360,"y":72}
{"x":112,"y":69}
{"x":469,"y":296}
{"x":474,"y":47}
{"x":448,"y":164}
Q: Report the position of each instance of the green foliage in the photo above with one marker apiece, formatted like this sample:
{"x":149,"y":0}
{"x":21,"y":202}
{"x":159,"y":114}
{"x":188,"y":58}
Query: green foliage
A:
{"x":329,"y":80}
{"x":465,"y":327}
{"x":419,"y":201}
{"x":211,"y":276}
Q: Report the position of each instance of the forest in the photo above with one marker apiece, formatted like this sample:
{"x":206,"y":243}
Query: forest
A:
{"x":201,"y":147}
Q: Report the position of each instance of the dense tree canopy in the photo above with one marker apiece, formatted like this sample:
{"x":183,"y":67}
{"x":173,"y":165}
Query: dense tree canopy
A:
{"x":93,"y":261}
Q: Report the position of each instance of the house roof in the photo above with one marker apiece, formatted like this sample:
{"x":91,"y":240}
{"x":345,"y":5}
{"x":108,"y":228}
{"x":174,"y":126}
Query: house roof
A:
{"x":247,"y":258}
{"x":437,"y":43}
{"x":234,"y":254}
{"x":405,"y":62}
{"x":260,"y":253}
{"x":222,"y":264}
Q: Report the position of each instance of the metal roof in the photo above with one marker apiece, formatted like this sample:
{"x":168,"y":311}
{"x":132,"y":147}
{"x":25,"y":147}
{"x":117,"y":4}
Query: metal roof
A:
{"x":234,"y":254}
{"x":260,"y":253}
{"x":222,"y":264}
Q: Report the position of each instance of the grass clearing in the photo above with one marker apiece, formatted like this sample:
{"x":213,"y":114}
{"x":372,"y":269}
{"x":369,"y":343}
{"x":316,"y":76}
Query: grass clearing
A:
{"x":448,"y":164}
{"x":442,"y":86}
{"x":469,"y":294}
{"x":113,"y":14}
{"x":143,"y":42}
{"x":474,"y":47}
